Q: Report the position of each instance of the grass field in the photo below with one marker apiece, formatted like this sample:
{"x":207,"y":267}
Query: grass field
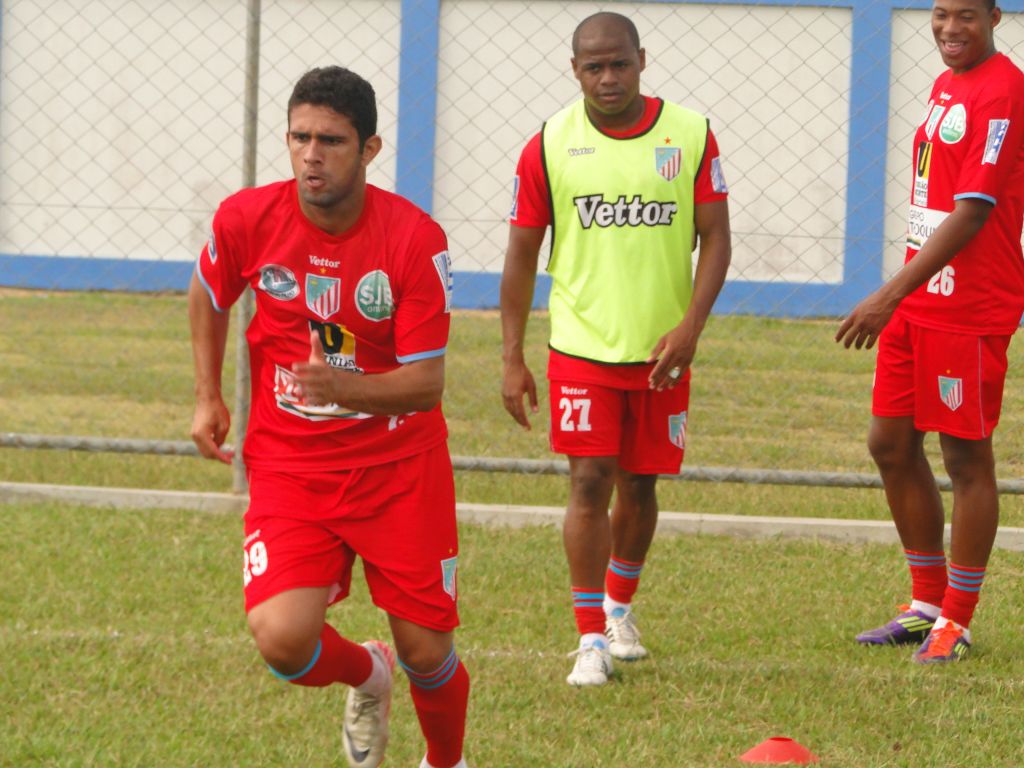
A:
{"x":767,"y":393}
{"x":123,"y":644}
{"x":123,"y":637}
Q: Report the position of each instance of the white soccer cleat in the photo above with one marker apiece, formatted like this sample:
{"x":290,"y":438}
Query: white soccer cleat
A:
{"x":593,"y":665}
{"x":623,"y":635}
{"x":365,"y":731}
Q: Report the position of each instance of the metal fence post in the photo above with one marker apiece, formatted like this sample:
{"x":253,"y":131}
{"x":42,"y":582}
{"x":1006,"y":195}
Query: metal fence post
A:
{"x":244,"y":310}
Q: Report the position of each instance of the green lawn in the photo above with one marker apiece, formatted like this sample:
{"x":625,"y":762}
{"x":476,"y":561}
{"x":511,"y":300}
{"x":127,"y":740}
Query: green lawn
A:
{"x":124,"y":644}
{"x":767,"y":393}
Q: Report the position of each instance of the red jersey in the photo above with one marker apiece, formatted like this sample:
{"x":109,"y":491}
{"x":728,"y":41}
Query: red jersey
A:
{"x":531,"y":207}
{"x":378,"y":295}
{"x":971,"y":145}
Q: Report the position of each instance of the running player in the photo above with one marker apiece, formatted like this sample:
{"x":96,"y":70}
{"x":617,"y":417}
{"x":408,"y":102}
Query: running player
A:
{"x":627,"y":182}
{"x":943,"y":325}
{"x":346,"y":448}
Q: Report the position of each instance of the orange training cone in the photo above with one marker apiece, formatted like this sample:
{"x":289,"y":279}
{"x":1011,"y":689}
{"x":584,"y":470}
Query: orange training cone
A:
{"x":779,"y":749}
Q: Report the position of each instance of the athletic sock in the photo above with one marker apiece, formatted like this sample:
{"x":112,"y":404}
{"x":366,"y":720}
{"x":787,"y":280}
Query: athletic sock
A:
{"x":335,"y":660}
{"x":927,"y":576}
{"x":962,"y":593}
{"x":621,"y":581}
{"x":440,"y":698}
{"x":588,"y":607}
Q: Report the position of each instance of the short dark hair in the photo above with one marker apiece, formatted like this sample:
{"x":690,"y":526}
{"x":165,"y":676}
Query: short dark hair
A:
{"x":616,"y":19}
{"x":343,"y":91}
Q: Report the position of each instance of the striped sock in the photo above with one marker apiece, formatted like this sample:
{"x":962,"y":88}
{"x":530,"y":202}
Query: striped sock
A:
{"x":962,"y":593}
{"x":335,"y":660}
{"x":622,"y":579}
{"x":440,"y":698}
{"x":927,"y":576}
{"x":588,"y":608}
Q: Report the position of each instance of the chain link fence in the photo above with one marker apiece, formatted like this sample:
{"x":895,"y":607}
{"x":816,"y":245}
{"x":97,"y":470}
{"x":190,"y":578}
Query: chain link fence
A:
{"x":123,"y":124}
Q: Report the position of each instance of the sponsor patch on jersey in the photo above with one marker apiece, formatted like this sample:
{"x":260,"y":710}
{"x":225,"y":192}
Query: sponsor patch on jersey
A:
{"x":994,"y":143}
{"x":954,"y":125}
{"x":951,"y":391}
{"x":316,"y":261}
{"x":279,"y":282}
{"x":286,"y":394}
{"x":577,"y":151}
{"x":211,"y":248}
{"x":515,"y":198}
{"x":323,"y":295}
{"x":933,"y":120}
{"x":443,"y":265}
{"x":677,"y":429}
{"x":717,"y":177}
{"x":373,"y":296}
{"x":921,"y":170}
{"x":921,"y":224}
{"x":668,"y":161}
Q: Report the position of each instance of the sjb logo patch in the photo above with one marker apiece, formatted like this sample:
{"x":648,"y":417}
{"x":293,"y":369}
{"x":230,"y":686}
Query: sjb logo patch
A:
{"x":373,"y":296}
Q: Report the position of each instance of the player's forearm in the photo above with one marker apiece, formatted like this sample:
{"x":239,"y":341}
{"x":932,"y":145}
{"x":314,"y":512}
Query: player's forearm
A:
{"x":517,"y":284}
{"x":413,"y":387}
{"x":209,"y":329}
{"x":713,"y":259}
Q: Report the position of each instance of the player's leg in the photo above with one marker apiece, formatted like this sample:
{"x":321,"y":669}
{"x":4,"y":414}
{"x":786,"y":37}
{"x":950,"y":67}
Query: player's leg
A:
{"x":403,"y":525}
{"x":439,"y":687}
{"x":586,"y":426}
{"x":653,"y":443}
{"x":897,"y":446}
{"x":964,"y":407}
{"x":586,"y":536}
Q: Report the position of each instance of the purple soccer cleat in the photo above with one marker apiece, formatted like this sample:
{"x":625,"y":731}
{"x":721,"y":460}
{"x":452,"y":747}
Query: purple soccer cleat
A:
{"x":909,"y":627}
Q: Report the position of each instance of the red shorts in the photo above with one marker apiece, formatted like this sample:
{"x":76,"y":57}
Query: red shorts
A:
{"x":645,"y":429}
{"x":949,"y":382}
{"x":399,"y":517}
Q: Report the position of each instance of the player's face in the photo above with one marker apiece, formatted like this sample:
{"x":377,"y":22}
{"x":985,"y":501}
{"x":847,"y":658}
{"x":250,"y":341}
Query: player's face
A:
{"x":608,"y":67}
{"x":963,"y":31}
{"x":328,"y":163}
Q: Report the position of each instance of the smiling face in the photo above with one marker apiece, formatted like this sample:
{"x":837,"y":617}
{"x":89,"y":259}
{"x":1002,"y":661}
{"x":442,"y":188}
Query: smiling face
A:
{"x":963,"y":31}
{"x":608,"y":65}
{"x":329,"y":164}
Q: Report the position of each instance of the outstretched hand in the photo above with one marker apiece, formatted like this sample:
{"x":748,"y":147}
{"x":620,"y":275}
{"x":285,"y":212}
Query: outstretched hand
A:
{"x":210,"y":425}
{"x":516,"y":382}
{"x":862,"y":327}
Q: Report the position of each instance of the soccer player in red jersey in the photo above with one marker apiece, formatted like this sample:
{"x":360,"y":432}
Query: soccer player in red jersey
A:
{"x":943,"y":325}
{"x":346,"y":448}
{"x":628,"y":183}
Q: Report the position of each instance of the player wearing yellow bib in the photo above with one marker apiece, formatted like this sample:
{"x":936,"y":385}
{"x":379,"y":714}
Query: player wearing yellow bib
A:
{"x":628,"y":184}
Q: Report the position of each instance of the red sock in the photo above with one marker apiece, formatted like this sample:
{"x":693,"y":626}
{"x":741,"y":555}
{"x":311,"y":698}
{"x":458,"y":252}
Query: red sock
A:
{"x":927,"y":575}
{"x":440,"y":698}
{"x":588,"y":608}
{"x":622,"y":579}
{"x":962,"y":593}
{"x":336,"y":660}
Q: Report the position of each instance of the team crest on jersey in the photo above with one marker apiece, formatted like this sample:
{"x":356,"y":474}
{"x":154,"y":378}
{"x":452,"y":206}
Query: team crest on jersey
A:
{"x":667,"y":161}
{"x":279,"y":282}
{"x":934,"y":113}
{"x":323,"y":295}
{"x":211,"y":248}
{"x":951,"y":391}
{"x":677,"y":429}
{"x":954,"y":125}
{"x":443,"y":265}
{"x":994,"y":143}
{"x":448,"y":568}
{"x":373,"y":296}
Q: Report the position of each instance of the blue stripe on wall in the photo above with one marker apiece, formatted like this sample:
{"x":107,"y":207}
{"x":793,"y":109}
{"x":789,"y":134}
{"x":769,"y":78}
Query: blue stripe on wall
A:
{"x":417,"y":101}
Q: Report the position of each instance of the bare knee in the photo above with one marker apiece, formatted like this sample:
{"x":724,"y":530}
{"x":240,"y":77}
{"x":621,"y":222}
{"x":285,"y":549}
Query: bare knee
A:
{"x":895,"y":444}
{"x":286,"y":646}
{"x":421,"y":649}
{"x":591,"y":481}
{"x":968,"y":461}
{"x":637,"y":490}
